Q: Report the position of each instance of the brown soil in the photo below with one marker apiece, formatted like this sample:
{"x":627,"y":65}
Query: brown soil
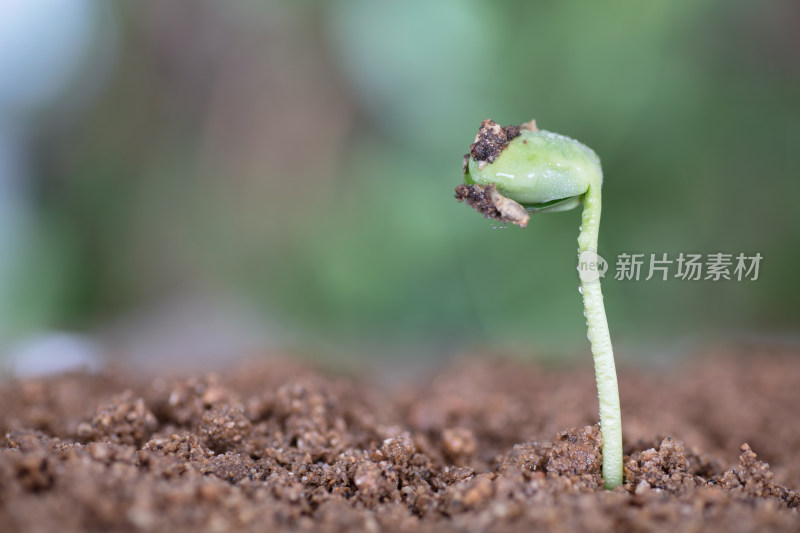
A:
{"x":491,"y":140}
{"x":491,"y":204}
{"x":482,"y":445}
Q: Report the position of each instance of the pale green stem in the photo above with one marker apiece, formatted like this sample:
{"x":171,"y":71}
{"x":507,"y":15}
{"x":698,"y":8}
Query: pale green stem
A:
{"x":605,"y":371}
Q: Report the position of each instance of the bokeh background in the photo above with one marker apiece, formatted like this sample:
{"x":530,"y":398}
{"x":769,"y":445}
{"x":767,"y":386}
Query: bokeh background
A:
{"x":192,"y":180}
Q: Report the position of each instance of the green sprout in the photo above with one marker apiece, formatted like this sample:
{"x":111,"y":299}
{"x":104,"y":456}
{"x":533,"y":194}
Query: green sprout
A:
{"x":513,"y":171}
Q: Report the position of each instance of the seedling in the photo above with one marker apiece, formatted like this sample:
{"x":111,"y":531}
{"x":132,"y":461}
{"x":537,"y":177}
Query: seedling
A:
{"x":513,"y":171}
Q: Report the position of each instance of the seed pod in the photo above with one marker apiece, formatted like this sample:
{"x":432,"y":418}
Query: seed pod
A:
{"x":541,"y":170}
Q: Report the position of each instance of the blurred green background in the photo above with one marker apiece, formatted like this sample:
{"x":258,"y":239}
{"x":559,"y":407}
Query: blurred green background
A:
{"x":226,"y":176}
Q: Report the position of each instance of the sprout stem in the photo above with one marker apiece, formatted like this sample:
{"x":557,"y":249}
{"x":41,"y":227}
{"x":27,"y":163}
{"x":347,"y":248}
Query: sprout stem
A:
{"x":600,"y":340}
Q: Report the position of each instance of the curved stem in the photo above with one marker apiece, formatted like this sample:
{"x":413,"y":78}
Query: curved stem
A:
{"x":600,"y":340}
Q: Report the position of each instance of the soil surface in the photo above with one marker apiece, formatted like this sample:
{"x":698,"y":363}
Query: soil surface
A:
{"x":480,"y":445}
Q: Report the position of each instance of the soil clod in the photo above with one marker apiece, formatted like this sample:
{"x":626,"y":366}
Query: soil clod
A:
{"x":491,"y":140}
{"x":486,"y":200}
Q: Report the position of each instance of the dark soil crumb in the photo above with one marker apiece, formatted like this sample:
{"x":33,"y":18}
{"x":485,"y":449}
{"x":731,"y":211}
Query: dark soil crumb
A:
{"x":480,"y":446}
{"x":486,"y":200}
{"x":492,"y":139}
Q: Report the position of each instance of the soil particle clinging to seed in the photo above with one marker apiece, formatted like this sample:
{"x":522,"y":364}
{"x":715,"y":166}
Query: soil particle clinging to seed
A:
{"x":491,"y":140}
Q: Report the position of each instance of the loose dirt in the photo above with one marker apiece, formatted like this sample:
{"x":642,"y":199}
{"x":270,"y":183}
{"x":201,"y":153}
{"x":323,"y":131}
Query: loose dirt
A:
{"x":481,"y":445}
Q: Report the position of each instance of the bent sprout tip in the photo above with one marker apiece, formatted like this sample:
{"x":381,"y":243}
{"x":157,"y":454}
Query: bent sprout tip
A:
{"x":512,"y":172}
